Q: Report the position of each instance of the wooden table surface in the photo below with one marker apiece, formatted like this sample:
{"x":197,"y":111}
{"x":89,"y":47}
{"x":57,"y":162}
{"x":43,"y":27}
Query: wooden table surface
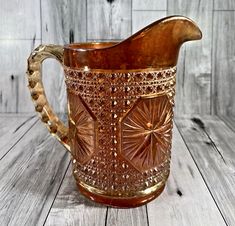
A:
{"x":37,"y":187}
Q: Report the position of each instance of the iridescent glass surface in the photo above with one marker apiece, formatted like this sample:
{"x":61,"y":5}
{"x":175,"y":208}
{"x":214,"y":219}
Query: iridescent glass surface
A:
{"x":120,"y":104}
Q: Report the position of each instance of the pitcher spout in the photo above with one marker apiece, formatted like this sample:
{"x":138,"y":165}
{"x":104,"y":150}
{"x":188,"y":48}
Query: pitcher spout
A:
{"x":159,"y":43}
{"x":155,"y":46}
{"x":185,"y":30}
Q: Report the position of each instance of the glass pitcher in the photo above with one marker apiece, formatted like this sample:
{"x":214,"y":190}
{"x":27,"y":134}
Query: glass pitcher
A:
{"x":120,"y":109}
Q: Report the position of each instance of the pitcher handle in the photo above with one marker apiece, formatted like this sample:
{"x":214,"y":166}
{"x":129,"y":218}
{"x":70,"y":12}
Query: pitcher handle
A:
{"x":55,"y":126}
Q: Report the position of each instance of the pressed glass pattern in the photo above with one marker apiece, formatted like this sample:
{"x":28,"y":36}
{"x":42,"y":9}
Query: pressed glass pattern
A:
{"x":146,"y":132}
{"x":82,"y":130}
{"x":120,"y":101}
{"x":112,"y":97}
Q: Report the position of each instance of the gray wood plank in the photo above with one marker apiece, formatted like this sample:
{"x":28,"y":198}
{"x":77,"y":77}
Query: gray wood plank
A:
{"x":30,"y":176}
{"x":13,"y":128}
{"x":223,"y":63}
{"x":130,"y":217}
{"x":211,"y":144}
{"x":149,"y":5}
{"x":72,"y":208}
{"x":140,"y":19}
{"x":22,"y":114}
{"x":224,"y":4}
{"x":193,"y":91}
{"x":62,"y":22}
{"x":186,"y":199}
{"x":229,"y":121}
{"x":54,"y":85}
{"x":20,"y":19}
{"x":14,"y":94}
{"x":108,"y":19}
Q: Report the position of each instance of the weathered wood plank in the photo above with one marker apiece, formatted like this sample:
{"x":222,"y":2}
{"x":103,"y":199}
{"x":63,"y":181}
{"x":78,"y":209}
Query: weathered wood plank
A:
{"x":140,"y":19}
{"x":108,"y":19}
{"x":149,"y":5}
{"x":22,"y":114}
{"x":224,"y":5}
{"x":130,"y":217}
{"x":211,"y":144}
{"x":54,"y":85}
{"x":223,"y":63}
{"x":193,"y":91}
{"x":30,"y":176}
{"x":229,"y":121}
{"x":20,"y":19}
{"x":72,"y":208}
{"x":14,"y":94}
{"x":186,"y":199}
{"x":13,"y":128}
{"x":63,"y":22}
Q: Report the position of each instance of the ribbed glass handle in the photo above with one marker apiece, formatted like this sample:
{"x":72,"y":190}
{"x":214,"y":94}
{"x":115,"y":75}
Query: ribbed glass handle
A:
{"x":54,"y":124}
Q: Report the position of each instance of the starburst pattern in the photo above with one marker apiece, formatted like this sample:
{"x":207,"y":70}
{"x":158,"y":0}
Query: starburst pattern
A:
{"x":146,"y":132}
{"x":82,"y":130}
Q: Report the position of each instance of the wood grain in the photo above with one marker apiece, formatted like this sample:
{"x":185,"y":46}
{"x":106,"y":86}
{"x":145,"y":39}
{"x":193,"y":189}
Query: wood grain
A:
{"x":108,"y":19}
{"x":72,"y":208}
{"x":63,"y":22}
{"x":211,"y":144}
{"x":20,"y":19}
{"x":14,"y":94}
{"x":130,"y":217}
{"x":229,"y":121}
{"x":186,"y":200}
{"x":54,"y":85}
{"x":13,"y":128}
{"x":149,"y":5}
{"x":224,"y":4}
{"x":193,"y":91}
{"x":140,"y":19}
{"x":31,"y":174}
{"x":223,"y":63}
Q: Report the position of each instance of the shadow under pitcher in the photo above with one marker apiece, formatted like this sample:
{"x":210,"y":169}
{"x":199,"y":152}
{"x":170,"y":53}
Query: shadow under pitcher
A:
{"x":120,"y":109}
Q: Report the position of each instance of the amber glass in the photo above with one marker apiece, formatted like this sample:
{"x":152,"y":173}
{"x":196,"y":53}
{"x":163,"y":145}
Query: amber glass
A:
{"x":120,"y":104}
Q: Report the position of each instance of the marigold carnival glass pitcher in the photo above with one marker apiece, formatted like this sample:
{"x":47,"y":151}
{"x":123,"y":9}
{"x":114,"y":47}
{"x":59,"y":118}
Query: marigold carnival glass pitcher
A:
{"x":120,"y":109}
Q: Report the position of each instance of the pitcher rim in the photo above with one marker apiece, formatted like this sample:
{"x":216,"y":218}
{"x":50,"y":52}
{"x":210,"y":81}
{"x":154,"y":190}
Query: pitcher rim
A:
{"x":112,"y":44}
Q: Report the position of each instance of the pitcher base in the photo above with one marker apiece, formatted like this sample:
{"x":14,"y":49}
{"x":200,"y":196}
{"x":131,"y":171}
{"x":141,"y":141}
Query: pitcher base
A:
{"x":121,"y":202}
